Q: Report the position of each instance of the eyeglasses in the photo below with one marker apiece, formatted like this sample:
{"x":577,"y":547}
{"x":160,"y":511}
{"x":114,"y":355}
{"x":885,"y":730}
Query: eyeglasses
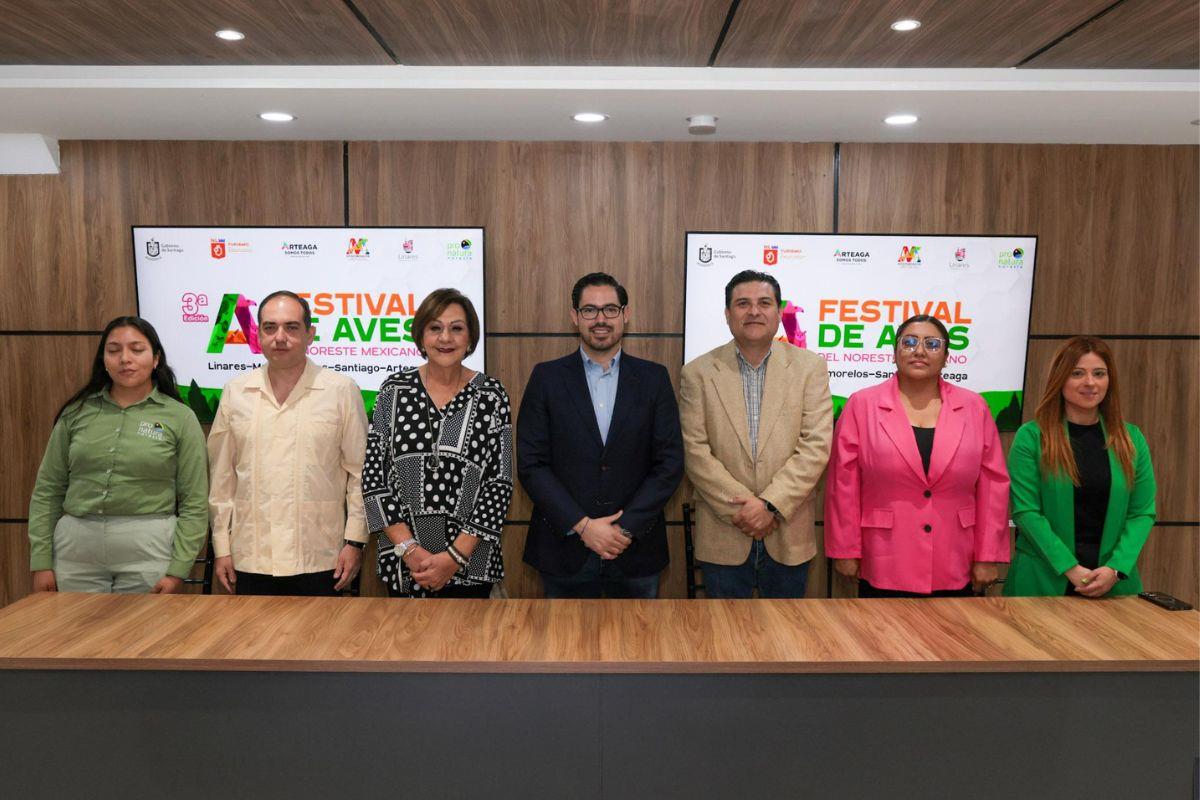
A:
{"x":610,"y":311}
{"x":932,"y":343}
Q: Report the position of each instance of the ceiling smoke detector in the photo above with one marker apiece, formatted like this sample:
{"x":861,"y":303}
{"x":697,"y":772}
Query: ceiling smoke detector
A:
{"x":702,"y":125}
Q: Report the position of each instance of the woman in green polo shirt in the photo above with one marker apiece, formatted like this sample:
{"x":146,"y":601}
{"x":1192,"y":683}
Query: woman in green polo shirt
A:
{"x":1082,"y":483}
{"x":121,"y":499}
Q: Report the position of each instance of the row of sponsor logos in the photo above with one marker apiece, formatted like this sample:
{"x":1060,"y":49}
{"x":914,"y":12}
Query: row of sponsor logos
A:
{"x":908,"y":257}
{"x":357,"y":249}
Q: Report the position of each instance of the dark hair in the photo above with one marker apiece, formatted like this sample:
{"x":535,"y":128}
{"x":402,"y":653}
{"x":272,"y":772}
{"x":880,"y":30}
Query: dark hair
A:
{"x":163,"y":377}
{"x":285,"y":293}
{"x":751,"y":276}
{"x":432,"y":307}
{"x":598,"y":279}
{"x":913,"y":320}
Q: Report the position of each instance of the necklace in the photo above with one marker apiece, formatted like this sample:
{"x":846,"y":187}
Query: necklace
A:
{"x":433,"y":461}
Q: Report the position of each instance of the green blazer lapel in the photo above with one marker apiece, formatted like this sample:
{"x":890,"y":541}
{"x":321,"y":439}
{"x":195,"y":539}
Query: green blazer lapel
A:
{"x":1118,"y":502}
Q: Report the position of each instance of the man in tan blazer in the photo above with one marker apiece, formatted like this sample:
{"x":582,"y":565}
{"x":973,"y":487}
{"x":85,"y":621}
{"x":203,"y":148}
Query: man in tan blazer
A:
{"x":757,"y":424}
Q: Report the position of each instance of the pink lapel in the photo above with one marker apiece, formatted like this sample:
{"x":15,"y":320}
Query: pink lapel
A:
{"x":949,"y":433}
{"x":896,"y":425}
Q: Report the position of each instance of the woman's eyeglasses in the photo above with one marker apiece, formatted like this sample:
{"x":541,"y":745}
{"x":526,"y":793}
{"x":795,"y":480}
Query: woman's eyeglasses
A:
{"x":932,"y":343}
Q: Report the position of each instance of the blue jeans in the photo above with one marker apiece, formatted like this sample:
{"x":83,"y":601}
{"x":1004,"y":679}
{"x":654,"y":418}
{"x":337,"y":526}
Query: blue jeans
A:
{"x":774,"y":580}
{"x":599,"y":578}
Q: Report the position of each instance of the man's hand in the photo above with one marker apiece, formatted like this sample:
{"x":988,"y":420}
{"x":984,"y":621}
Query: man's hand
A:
{"x":348,"y":563}
{"x":983,"y":575}
{"x":167,"y":584}
{"x":435,"y":571}
{"x":603,"y":537}
{"x":223,"y":570}
{"x":44,"y":581}
{"x":847,"y":567}
{"x":753,"y":518}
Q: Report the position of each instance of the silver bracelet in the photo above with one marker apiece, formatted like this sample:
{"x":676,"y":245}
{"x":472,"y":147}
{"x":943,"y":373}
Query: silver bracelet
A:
{"x":457,"y":556}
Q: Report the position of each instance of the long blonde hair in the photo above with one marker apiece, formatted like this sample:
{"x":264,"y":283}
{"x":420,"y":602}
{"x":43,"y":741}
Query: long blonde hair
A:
{"x":1057,"y":456}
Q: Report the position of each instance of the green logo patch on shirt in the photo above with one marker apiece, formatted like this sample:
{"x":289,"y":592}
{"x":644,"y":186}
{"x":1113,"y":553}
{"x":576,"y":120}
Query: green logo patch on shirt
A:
{"x":151,"y":430}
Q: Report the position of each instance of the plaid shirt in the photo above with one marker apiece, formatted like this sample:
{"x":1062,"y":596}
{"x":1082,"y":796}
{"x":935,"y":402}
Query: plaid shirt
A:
{"x":752,"y":389}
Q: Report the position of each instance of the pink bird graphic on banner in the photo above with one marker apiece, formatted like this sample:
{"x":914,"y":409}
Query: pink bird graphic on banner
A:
{"x":791,"y":325}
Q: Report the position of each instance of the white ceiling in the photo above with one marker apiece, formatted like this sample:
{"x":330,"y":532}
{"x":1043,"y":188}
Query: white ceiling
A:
{"x":521,"y":103}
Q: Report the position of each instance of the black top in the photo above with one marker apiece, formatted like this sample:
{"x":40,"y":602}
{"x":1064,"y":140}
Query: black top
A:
{"x":924,"y":444}
{"x":442,"y":473}
{"x":1091,"y":495}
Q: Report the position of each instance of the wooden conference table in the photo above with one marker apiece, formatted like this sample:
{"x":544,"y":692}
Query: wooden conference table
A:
{"x":295,"y":697}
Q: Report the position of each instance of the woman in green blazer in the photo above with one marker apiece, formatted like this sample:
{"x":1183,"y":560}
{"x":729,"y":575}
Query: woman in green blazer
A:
{"x":1082,"y":483}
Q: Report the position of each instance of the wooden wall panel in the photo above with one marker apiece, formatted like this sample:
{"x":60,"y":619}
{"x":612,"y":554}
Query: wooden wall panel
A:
{"x":1169,"y":563}
{"x":557,"y":210}
{"x":648,"y":33}
{"x":37,"y":374}
{"x":70,"y":263}
{"x":1135,"y":34}
{"x":857,"y":33}
{"x":15,"y":580}
{"x":1118,"y":244}
{"x":1157,"y":398}
{"x":137,"y":32}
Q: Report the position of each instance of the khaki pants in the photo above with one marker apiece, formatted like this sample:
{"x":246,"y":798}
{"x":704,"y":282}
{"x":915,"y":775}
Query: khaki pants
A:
{"x":112,"y":554}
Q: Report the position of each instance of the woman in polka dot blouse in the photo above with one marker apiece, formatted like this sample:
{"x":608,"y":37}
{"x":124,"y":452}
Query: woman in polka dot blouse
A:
{"x":437,"y":479}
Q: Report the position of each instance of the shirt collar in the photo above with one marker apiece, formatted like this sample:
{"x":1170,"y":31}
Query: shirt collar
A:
{"x":588,"y":362}
{"x":746,"y":364}
{"x":155,"y":396}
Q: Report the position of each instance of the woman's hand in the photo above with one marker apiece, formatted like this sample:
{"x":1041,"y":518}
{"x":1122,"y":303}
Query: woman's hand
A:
{"x":847,"y":567}
{"x":983,"y":575}
{"x":167,"y":584}
{"x":1079,"y":576}
{"x":397,"y":533}
{"x":434,"y":571}
{"x":1099,"y":583}
{"x":44,"y":581}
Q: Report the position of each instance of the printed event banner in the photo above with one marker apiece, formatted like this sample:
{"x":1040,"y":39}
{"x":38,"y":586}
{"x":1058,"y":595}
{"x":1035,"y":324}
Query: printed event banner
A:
{"x":845,"y":295}
{"x":200,"y":288}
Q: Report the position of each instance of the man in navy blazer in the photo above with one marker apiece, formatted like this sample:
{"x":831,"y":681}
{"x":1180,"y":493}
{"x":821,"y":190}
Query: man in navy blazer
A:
{"x":600,"y":452}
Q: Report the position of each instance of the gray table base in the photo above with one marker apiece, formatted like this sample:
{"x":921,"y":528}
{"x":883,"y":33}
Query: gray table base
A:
{"x":424,"y":736}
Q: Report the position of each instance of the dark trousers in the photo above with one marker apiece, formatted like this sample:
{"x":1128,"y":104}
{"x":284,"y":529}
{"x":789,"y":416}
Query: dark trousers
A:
{"x":600,"y":578}
{"x":867,"y":590}
{"x":480,"y":592}
{"x":306,"y":584}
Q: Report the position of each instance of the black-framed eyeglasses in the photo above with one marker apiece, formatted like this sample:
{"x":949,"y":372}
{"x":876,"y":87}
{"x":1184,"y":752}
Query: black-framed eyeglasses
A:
{"x":611,"y":311}
{"x":932,"y":343}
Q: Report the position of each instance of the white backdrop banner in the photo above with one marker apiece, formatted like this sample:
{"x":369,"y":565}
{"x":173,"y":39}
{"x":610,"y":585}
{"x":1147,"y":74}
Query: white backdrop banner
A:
{"x":844,"y":295}
{"x":200,"y":288}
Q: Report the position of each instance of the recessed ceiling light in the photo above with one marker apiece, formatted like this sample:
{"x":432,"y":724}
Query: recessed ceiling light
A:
{"x":276,"y":116}
{"x":230,"y":35}
{"x":906,"y":25}
{"x":590,"y":116}
{"x":901,"y":119}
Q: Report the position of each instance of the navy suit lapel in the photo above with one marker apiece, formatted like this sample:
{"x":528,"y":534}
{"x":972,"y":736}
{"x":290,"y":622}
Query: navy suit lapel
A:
{"x":581,"y":397}
{"x":627,"y":397}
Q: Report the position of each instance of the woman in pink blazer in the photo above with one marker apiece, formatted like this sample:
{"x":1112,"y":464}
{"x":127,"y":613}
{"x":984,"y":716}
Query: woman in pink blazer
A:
{"x":916,"y":499}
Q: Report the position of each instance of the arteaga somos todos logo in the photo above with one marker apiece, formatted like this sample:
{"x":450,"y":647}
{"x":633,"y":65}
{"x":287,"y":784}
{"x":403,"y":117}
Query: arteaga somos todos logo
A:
{"x":193,"y":304}
{"x":1011,"y":259}
{"x":770,"y":254}
{"x":357,"y":249}
{"x":216,"y":247}
{"x":459,"y":251}
{"x":705,"y":255}
{"x":910,"y":254}
{"x":298,"y":249}
{"x":851,"y":256}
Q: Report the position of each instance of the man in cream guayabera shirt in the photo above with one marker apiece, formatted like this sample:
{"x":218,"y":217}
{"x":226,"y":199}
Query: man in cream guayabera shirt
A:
{"x":285,"y":454}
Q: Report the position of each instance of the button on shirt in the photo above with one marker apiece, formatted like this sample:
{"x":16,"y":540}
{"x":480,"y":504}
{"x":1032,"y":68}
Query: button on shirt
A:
{"x":104,"y":460}
{"x":753,"y":379}
{"x":287,"y":478}
{"x":602,"y":386}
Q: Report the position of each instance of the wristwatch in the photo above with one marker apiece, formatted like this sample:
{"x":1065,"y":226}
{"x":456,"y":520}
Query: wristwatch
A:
{"x":352,"y":543}
{"x":1120,"y":575}
{"x":771,"y":507}
{"x":403,"y":548}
